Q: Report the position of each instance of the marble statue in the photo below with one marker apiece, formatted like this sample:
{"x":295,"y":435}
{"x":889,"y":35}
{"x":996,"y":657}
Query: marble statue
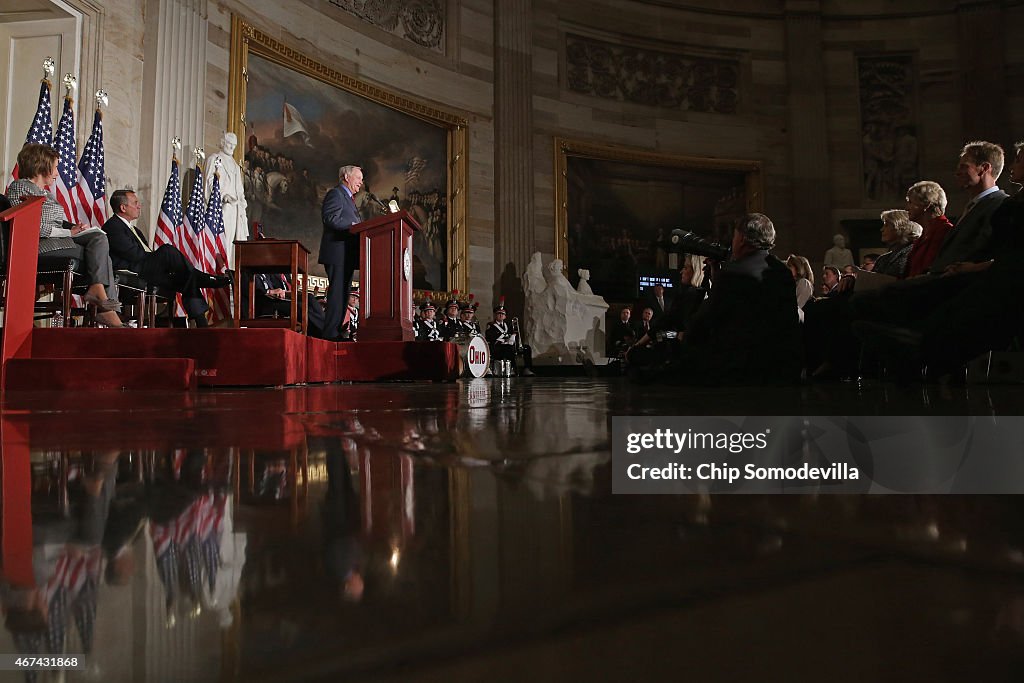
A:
{"x":838,"y":256}
{"x":584,"y":286}
{"x":561,"y":323}
{"x":232,"y":193}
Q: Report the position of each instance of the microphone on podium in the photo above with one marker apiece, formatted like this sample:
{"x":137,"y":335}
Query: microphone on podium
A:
{"x":374,"y":198}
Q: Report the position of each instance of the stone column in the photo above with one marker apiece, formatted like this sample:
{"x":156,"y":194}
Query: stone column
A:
{"x":173,"y":93}
{"x":513,"y":132}
{"x":808,"y":127}
{"x":981,"y":52}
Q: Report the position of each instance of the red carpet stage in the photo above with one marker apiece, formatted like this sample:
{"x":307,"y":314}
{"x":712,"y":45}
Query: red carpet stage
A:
{"x":176,"y":359}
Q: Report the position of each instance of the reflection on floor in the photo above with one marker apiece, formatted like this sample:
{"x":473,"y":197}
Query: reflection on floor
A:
{"x":414,"y":532}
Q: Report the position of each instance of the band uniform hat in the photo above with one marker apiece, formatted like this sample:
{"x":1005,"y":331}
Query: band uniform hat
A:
{"x":427,"y":306}
{"x":500,"y":308}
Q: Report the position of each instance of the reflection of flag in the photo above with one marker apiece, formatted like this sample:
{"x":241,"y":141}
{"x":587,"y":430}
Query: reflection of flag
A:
{"x":294,"y":124}
{"x":220,"y":308}
{"x":412,"y":170}
{"x":84,"y":611}
{"x":90,"y":189}
{"x":67,"y":176}
{"x":41,"y":130}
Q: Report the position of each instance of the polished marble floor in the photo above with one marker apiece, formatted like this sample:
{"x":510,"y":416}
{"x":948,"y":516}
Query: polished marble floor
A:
{"x":467,"y":532}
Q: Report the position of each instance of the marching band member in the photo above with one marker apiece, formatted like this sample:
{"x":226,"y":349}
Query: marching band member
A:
{"x":503,"y":338}
{"x":427,"y":329}
{"x":450,"y":324}
{"x":467,"y":317}
{"x":350,"y":323}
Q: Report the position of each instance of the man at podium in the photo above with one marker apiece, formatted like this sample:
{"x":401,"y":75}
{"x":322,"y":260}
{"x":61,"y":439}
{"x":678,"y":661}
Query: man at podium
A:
{"x":339,"y":248}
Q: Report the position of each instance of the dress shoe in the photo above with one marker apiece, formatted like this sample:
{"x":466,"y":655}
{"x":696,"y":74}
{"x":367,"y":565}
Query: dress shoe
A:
{"x":216,"y":281}
{"x":109,"y":319}
{"x":105,"y":305}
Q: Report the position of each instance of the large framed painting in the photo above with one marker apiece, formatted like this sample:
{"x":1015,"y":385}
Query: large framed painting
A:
{"x":298,"y":121}
{"x":616,"y":208}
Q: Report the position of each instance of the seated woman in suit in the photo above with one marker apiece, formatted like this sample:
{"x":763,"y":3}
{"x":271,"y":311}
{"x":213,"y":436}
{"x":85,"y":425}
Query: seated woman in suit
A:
{"x":37,"y":166}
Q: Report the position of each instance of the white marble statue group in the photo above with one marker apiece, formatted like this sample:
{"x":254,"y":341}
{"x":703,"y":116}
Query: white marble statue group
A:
{"x":562,"y":323}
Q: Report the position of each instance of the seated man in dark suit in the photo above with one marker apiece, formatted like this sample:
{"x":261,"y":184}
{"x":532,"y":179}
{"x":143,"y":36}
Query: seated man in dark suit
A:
{"x":274,"y":297}
{"x":166,"y":267}
{"x":748,"y":331}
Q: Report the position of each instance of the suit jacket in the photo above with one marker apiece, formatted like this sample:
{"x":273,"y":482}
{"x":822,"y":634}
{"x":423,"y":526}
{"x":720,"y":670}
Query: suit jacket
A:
{"x":339,"y":214}
{"x":126,"y":252}
{"x":969,"y":240}
{"x":649,"y":301}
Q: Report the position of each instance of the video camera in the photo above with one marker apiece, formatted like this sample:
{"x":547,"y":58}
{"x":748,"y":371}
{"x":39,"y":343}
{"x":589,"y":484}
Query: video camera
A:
{"x":686,"y":242}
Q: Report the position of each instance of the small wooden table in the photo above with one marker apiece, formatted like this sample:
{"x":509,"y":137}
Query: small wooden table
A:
{"x":271,"y":256}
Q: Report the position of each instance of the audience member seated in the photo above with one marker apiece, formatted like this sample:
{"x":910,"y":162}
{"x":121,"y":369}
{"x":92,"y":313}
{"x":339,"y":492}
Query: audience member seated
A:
{"x":273,"y":298}
{"x":748,"y":331}
{"x":970,"y":242}
{"x":800,"y":267}
{"x":898,"y":233}
{"x":830,"y":280}
{"x":621,"y":335}
{"x":984,"y":314}
{"x":37,"y":165}
{"x":868,"y":263}
{"x":926,"y":205}
{"x":166,"y":268}
{"x":662,"y":341}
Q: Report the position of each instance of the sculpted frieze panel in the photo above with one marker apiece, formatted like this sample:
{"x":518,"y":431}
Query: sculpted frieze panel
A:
{"x":651,"y":77}
{"x":421,"y":21}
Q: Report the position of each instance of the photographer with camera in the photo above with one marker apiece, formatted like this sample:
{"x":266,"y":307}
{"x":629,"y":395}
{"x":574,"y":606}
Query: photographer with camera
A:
{"x":747,"y":331}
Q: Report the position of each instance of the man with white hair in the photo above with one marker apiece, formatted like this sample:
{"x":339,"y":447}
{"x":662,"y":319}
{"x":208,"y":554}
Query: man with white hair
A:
{"x":339,"y":248}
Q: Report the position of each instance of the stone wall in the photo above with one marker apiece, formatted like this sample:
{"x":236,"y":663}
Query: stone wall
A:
{"x":797,"y":106}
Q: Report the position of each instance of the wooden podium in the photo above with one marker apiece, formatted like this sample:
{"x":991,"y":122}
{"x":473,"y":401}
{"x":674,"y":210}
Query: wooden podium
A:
{"x":385,"y":275}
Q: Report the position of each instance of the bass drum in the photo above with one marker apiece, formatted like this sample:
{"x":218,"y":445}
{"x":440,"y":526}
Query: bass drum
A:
{"x":474,"y":356}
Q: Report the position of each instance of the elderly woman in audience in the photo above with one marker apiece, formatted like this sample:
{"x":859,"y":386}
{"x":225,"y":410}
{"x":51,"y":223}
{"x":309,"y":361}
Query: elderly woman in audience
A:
{"x":898,"y":233}
{"x":804,"y":278}
{"x":37,"y":166}
{"x":926,"y":204}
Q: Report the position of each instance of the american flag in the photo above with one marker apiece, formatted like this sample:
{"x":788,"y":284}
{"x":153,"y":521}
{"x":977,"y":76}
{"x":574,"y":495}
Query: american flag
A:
{"x":190,"y":234}
{"x":170,"y":209}
{"x":91,"y":179}
{"x":41,"y":130}
{"x":67,"y":148}
{"x":220,"y":301}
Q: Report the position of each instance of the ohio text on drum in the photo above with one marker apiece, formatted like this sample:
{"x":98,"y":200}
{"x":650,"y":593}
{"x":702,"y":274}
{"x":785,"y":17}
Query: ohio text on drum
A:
{"x":474,"y":356}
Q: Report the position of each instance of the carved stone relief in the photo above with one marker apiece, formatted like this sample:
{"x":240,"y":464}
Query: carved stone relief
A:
{"x":421,"y":21}
{"x":650,"y":77}
{"x":888,"y":121}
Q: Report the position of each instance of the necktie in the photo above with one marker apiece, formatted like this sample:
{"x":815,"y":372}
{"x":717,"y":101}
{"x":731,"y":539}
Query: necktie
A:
{"x":138,"y":236}
{"x":967,"y":209}
{"x":661,"y":303}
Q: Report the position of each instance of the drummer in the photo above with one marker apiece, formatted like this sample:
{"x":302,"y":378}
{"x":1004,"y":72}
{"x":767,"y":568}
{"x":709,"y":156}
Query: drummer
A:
{"x":450,"y":324}
{"x":426,"y":327}
{"x":467,"y":317}
{"x":502,"y":339}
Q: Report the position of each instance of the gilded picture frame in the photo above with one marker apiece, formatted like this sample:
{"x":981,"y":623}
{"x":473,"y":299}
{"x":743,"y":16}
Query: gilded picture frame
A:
{"x":659,"y":175}
{"x":432,"y":189}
